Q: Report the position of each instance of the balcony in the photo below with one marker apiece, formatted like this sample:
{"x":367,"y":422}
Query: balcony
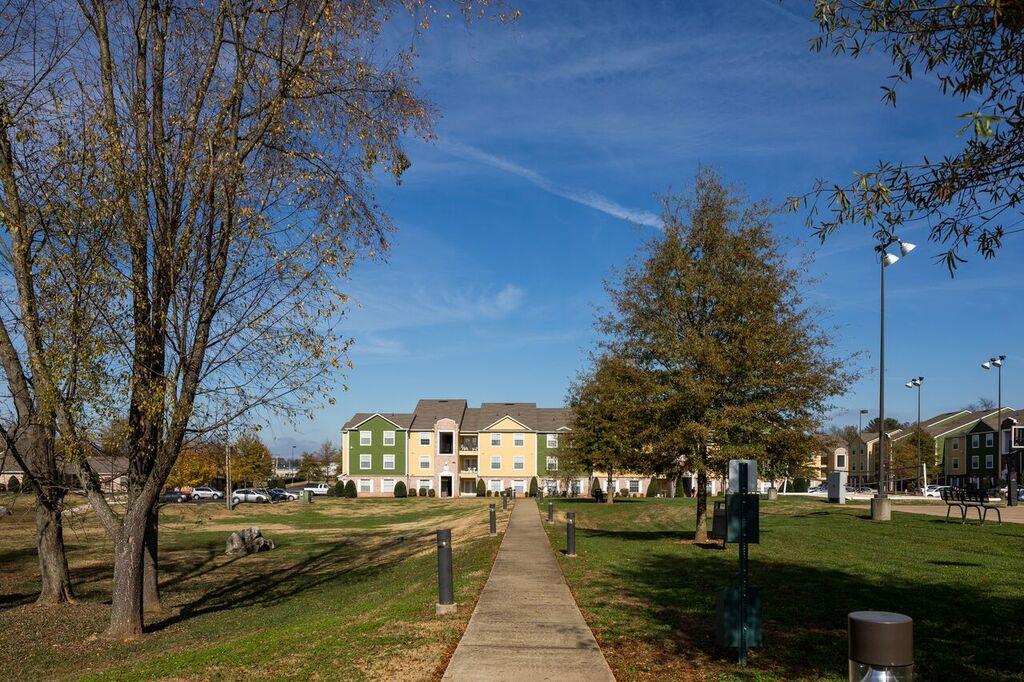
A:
{"x":469,"y":444}
{"x":469,"y":466}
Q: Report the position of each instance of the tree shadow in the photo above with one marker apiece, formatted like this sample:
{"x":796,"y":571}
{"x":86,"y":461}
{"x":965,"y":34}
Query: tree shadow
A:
{"x":805,"y":616}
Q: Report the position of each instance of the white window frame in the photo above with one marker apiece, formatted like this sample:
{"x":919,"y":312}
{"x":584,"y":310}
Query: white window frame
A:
{"x":547,"y":464}
{"x":519,"y":486}
{"x":630,"y":487}
{"x":369,"y":485}
{"x":424,"y":458}
{"x":495,"y":440}
{"x":387,"y":485}
{"x":956,"y":462}
{"x":975,"y":440}
{"x":519,"y":440}
{"x":840,"y":461}
{"x":956,"y":444}
{"x":493,"y":458}
{"x":519,"y":463}
{"x":389,"y":439}
{"x":988,"y":461}
{"x":989,"y":440}
{"x":368,"y":440}
{"x":386,"y":460}
{"x":424,"y":437}
{"x":496,"y":485}
{"x":975,"y":462}
{"x":424,"y":483}
{"x":552,"y":440}
{"x":365,"y":462}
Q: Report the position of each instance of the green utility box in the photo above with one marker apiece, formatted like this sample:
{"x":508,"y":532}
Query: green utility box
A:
{"x":741,"y":512}
{"x":307,"y":496}
{"x":728,"y":619}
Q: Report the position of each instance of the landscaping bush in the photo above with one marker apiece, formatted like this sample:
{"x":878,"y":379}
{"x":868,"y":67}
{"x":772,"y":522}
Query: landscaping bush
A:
{"x":800,"y":484}
{"x":400,"y":489}
{"x":653,"y":488}
{"x":337,"y":490}
{"x":533,"y":487}
{"x":276,"y":483}
{"x":431,"y":493}
{"x":14,"y":485}
{"x":350,"y":489}
{"x":481,"y":489}
{"x":423,"y":492}
{"x":595,"y":487}
{"x":490,"y":493}
{"x":412,"y":492}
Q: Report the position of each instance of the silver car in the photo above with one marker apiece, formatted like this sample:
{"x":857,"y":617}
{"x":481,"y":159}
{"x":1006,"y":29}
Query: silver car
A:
{"x":249,"y":495}
{"x":205,"y":492}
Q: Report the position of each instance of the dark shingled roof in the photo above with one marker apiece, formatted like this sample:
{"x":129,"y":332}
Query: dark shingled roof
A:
{"x":550,"y":419}
{"x":401,"y":418}
{"x":429,"y":412}
{"x":488,"y":413}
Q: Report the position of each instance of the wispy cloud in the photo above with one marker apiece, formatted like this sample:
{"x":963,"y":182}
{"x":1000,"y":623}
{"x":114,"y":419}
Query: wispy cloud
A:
{"x":584,"y":197}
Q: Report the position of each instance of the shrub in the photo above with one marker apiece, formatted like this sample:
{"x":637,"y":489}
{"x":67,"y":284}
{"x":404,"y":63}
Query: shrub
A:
{"x":431,"y":493}
{"x":653,"y":488}
{"x":423,"y":492}
{"x":412,"y":492}
{"x":276,"y":483}
{"x":490,"y":493}
{"x":337,"y":490}
{"x":350,"y":489}
{"x":401,"y":490}
{"x":14,"y":485}
{"x":533,"y":487}
{"x":800,"y":485}
{"x":595,"y":487}
{"x":481,"y":489}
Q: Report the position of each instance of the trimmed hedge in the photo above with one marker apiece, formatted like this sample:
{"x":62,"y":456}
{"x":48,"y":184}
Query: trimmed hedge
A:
{"x":431,"y":493}
{"x":800,"y":485}
{"x":423,"y":492}
{"x":481,"y":488}
{"x":533,"y":487}
{"x":412,"y":492}
{"x":14,"y":485}
{"x":350,"y":489}
{"x":401,"y":490}
{"x":653,"y":488}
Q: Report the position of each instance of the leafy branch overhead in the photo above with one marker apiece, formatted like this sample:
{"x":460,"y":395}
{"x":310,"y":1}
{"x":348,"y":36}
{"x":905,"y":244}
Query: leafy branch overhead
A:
{"x":974,"y":50}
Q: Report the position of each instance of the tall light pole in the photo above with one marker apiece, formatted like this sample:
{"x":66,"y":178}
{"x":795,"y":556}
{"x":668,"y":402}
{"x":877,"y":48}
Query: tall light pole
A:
{"x":1011,"y":462}
{"x":860,"y":422}
{"x":880,"y":509}
{"x":916,"y":383}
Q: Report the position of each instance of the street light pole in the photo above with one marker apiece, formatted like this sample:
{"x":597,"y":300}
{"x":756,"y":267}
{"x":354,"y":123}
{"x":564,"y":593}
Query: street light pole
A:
{"x":1011,"y":462}
{"x":916,"y":383}
{"x":860,"y":422}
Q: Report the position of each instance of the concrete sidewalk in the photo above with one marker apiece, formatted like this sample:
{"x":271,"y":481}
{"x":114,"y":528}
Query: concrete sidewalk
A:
{"x":526,"y":625}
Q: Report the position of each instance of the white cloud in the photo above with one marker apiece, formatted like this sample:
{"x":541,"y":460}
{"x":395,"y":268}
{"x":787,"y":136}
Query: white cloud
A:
{"x":588,"y":198}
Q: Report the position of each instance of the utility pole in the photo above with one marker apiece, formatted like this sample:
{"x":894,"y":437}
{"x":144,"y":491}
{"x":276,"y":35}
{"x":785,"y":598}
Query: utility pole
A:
{"x":227,"y":466}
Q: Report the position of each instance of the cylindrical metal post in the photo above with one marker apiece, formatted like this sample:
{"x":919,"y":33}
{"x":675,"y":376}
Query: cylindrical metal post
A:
{"x":504,"y":502}
{"x":445,"y":590}
{"x":881,"y":646}
{"x":493,"y":513}
{"x":570,"y":533}
{"x":551,"y":511}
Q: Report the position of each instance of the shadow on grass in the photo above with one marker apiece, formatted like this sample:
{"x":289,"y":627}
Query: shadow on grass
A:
{"x":805,"y":616}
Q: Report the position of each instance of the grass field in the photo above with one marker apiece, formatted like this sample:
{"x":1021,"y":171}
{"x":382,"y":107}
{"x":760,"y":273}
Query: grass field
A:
{"x":348,"y":593}
{"x":648,"y":591}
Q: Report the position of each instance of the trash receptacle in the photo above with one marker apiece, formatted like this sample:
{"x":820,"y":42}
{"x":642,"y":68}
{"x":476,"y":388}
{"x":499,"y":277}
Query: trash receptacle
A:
{"x":718,"y":522}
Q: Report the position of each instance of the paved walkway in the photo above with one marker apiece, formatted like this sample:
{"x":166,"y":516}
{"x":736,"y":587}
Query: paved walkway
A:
{"x":526,"y":625}
{"x":1010,"y":514}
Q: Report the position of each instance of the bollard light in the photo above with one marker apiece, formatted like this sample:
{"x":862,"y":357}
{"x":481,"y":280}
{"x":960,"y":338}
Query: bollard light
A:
{"x":570,"y":533}
{"x":493,"y":513}
{"x":551,"y":511}
{"x":504,"y":502}
{"x":881,"y":647}
{"x":445,"y":589}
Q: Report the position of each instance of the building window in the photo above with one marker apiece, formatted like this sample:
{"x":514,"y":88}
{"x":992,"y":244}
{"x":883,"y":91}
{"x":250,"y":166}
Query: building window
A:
{"x":496,"y":485}
{"x":495,"y":461}
{"x":956,"y":445}
{"x":634,"y":486}
{"x":365,"y":485}
{"x":425,"y":438}
{"x":552,"y":440}
{"x":389,"y":461}
{"x":989,"y":439}
{"x":424,"y":461}
{"x":495,"y":440}
{"x":365,"y":462}
{"x":519,"y":486}
{"x":552,"y":464}
{"x":956,"y":463}
{"x":366,"y":437}
{"x":518,"y":462}
{"x":840,"y":461}
{"x":974,"y":441}
{"x":519,"y":440}
{"x":389,"y":438}
{"x":988,"y":461}
{"x":387,"y":485}
{"x":975,"y":462}
{"x":424,"y":484}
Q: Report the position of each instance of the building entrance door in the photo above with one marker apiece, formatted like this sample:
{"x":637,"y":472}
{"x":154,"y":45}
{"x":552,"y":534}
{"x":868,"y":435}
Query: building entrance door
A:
{"x":446,"y":486}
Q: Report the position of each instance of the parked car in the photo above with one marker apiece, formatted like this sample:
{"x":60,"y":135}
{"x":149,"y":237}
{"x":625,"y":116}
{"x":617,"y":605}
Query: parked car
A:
{"x":250,"y":495}
{"x":205,"y":492}
{"x":317,"y":488}
{"x":820,"y":488}
{"x":934,"y":490}
{"x":174,"y":496}
{"x":277,"y":494}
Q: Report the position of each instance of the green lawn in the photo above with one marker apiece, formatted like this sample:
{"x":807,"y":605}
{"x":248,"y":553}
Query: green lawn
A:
{"x":348,"y":593}
{"x":648,"y":592}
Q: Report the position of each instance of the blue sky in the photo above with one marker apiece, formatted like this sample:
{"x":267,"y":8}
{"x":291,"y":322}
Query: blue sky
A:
{"x":557,"y":136}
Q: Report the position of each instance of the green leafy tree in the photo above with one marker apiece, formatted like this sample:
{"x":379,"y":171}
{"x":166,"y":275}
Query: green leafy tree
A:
{"x":653,"y":488}
{"x":533,"y":487}
{"x":711,"y":322}
{"x":972,"y":51}
{"x":251,"y":461}
{"x":311,"y":468}
{"x":891,"y":424}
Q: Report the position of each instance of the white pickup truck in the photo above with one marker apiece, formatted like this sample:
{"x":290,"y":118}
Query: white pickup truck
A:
{"x":317,"y":488}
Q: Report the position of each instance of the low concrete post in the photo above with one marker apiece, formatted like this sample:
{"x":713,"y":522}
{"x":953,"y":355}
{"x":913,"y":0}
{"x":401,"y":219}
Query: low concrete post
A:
{"x":551,"y":511}
{"x":570,"y":533}
{"x":881,"y":646}
{"x":445,"y":589}
{"x":493,"y":513}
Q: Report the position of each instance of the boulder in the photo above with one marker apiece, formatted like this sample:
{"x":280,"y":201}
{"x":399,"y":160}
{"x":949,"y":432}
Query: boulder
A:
{"x":4,"y":511}
{"x":248,"y":541}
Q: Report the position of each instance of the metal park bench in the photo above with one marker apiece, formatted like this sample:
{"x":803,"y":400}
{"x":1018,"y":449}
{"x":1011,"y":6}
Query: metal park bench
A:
{"x":963,"y":500}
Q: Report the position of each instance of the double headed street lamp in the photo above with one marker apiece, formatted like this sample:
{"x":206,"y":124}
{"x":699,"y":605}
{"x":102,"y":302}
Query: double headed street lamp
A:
{"x":916,"y":383}
{"x":860,"y":422}
{"x":880,"y":509}
{"x":1011,"y":462}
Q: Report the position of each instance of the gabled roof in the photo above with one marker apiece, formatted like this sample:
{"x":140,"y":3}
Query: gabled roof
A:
{"x":551,"y":419}
{"x":524,"y":413}
{"x":399,"y":419}
{"x":429,"y":412}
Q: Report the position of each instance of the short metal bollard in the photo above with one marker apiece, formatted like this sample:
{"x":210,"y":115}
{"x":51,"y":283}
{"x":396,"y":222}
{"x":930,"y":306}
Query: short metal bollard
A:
{"x":570,"y":533}
{"x":445,"y":590}
{"x":504,"y":502}
{"x":493,"y":513}
{"x":881,"y":646}
{"x":551,"y":511}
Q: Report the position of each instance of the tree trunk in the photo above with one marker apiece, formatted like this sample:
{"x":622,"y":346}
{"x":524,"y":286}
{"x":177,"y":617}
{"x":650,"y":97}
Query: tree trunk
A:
{"x":151,"y":574}
{"x":610,"y":497}
{"x":53,"y":562}
{"x":126,"y":620}
{"x":672,"y":482}
{"x":701,"y":534}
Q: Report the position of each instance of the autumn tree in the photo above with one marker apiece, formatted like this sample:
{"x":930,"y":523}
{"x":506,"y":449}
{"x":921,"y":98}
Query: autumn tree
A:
{"x":311,"y":468}
{"x":904,"y":455}
{"x":197,"y":464}
{"x":973,"y":50}
{"x":251,"y":461}
{"x":713,"y":317}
